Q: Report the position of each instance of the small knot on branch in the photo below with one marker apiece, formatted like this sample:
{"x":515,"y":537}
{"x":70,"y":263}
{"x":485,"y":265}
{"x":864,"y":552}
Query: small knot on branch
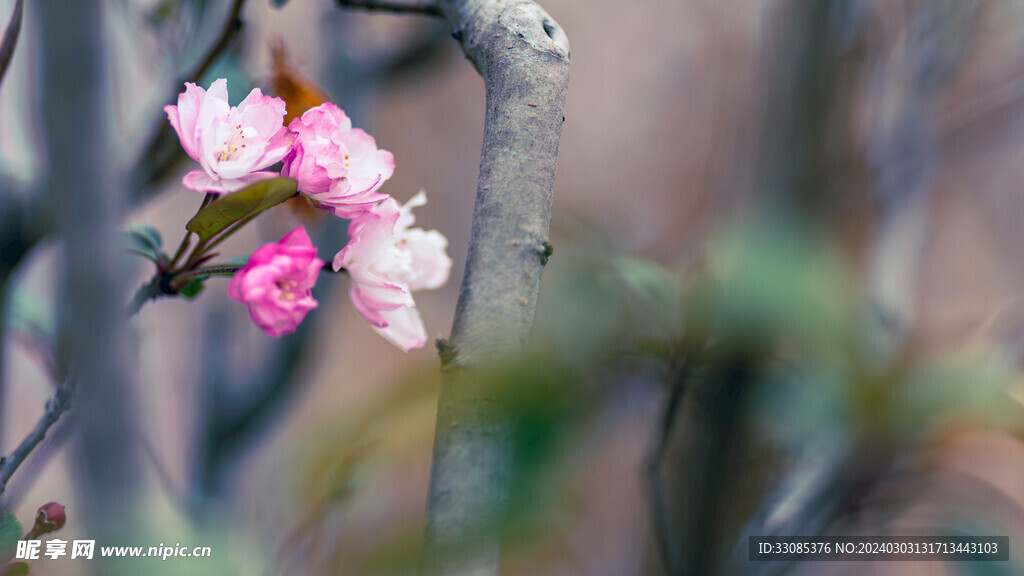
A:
{"x":531,"y":23}
{"x":547,"y":249}
{"x":446,"y":351}
{"x":550,"y":28}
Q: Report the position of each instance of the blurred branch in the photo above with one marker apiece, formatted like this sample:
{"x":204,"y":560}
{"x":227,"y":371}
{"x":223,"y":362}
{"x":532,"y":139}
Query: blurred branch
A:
{"x":164,"y":150}
{"x":899,"y":150}
{"x":20,"y":228}
{"x":81,"y":179}
{"x":55,"y":407}
{"x":10,"y":40}
{"x":22,"y":224}
{"x":427,"y":8}
{"x":665,"y":533}
{"x":801,"y":149}
{"x":523,"y":57}
{"x":806,"y":501}
{"x":232,"y":26}
{"x":23,"y":220}
{"x":230,"y":414}
{"x":414,"y":53}
{"x":36,"y":342}
{"x":904,"y":153}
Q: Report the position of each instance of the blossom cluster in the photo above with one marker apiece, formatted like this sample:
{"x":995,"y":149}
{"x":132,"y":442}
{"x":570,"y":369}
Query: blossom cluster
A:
{"x":339,"y":169}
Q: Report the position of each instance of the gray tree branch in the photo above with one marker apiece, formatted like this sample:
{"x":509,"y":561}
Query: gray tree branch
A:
{"x":84,"y":198}
{"x":56,"y":407}
{"x":523,"y":57}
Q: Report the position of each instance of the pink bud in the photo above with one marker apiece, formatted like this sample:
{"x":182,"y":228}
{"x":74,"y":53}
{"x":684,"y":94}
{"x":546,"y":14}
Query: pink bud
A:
{"x":50,"y":518}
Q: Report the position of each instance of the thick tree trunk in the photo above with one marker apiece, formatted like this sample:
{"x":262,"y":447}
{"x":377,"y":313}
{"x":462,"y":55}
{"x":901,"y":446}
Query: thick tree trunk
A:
{"x":523,"y":57}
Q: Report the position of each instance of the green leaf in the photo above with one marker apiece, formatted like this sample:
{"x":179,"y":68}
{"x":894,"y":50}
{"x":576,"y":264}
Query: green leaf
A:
{"x":244,"y":204}
{"x":16,"y":569}
{"x":193,"y":288}
{"x":773,"y":281}
{"x":652,"y":294}
{"x":10,"y":533}
{"x":143,"y":240}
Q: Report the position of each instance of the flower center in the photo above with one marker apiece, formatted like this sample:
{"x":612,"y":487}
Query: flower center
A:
{"x":231,"y":146}
{"x":288,"y":289}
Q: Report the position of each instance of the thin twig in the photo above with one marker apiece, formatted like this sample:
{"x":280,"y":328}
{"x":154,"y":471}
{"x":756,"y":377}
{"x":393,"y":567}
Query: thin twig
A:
{"x":426,"y":8}
{"x":10,"y":40}
{"x":36,"y":462}
{"x":34,"y":339}
{"x":204,"y":247}
{"x":148,"y":291}
{"x":59,"y":404}
{"x":221,"y":270}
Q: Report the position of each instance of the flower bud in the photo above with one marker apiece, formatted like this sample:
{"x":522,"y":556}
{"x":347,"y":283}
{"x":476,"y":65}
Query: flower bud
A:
{"x":50,"y":518}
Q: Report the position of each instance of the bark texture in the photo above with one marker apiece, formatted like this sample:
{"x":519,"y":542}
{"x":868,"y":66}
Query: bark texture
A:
{"x":523,"y":58}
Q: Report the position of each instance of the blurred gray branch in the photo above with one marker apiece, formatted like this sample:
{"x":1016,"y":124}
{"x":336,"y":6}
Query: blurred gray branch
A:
{"x":523,"y":57}
{"x":10,"y":39}
{"x":84,"y":197}
{"x":231,"y":414}
{"x":428,"y":7}
{"x":164,"y":152}
{"x":24,"y":218}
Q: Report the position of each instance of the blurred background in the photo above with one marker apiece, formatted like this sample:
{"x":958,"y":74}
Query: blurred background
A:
{"x":785,"y":297}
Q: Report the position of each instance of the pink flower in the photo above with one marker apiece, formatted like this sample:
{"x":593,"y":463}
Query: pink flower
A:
{"x":276,"y":283}
{"x":387,"y":262}
{"x":230,"y":143}
{"x":337,"y":166}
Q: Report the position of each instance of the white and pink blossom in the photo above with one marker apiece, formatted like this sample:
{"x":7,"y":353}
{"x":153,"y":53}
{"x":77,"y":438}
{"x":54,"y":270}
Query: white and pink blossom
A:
{"x":387,"y":262}
{"x":232,"y":144}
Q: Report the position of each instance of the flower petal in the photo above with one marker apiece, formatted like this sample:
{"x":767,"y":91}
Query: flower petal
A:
{"x":404,"y":328}
{"x":275,"y":283}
